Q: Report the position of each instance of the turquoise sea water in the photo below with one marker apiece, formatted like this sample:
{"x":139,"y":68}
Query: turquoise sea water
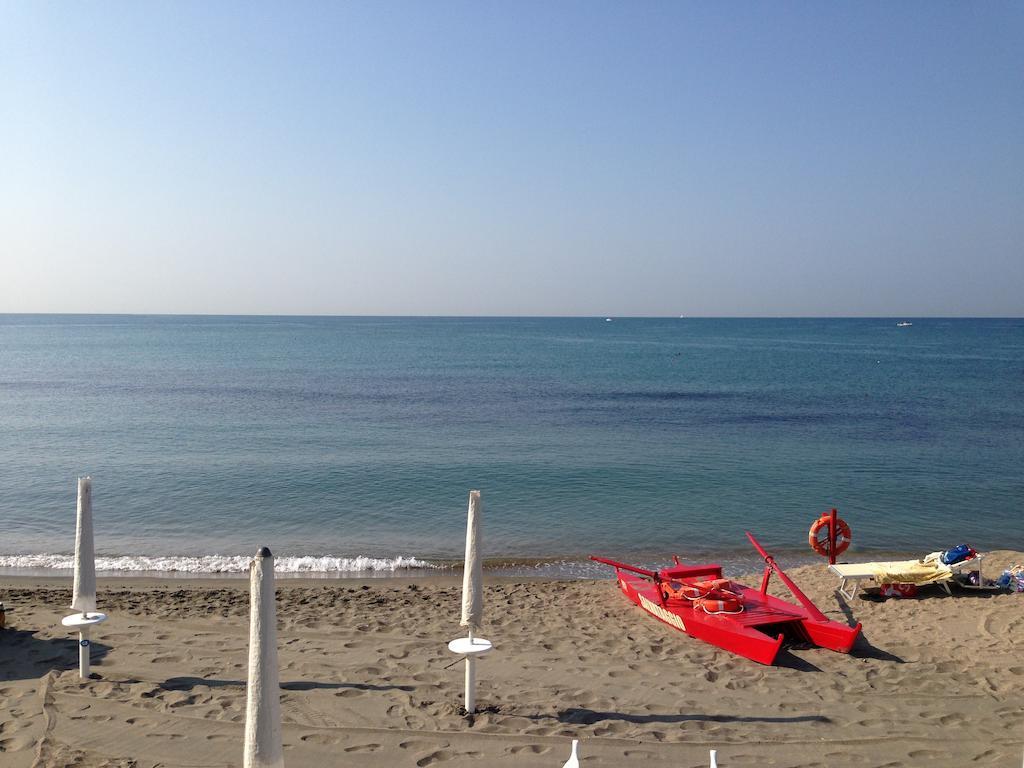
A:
{"x":360,"y":437}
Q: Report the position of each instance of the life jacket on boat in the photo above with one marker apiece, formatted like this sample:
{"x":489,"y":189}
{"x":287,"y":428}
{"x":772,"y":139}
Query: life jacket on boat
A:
{"x":715,"y":596}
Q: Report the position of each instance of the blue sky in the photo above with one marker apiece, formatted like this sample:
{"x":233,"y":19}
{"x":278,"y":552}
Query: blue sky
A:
{"x":535,"y":158}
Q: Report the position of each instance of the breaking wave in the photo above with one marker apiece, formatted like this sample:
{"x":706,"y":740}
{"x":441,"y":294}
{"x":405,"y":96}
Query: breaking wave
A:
{"x":219,"y":564}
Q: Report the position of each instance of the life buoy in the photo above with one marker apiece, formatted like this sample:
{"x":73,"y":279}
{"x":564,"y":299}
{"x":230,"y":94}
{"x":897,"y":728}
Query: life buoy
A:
{"x":715,"y":596}
{"x":820,"y":543}
{"x":720,"y":601}
{"x":677,"y":590}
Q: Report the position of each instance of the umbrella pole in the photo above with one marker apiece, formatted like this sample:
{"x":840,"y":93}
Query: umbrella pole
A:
{"x":470,"y":679}
{"x":83,"y":653}
{"x":470,"y":685}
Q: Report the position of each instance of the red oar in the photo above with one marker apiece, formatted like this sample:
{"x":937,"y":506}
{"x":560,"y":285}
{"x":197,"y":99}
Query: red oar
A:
{"x":616,"y":564}
{"x":805,"y":601}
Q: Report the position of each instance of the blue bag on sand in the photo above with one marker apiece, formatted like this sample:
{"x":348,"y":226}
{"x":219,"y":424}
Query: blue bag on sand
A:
{"x":956,"y":554}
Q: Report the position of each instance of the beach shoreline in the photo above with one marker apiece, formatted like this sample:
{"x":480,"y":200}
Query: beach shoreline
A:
{"x":734,"y":563}
{"x":366,"y":673}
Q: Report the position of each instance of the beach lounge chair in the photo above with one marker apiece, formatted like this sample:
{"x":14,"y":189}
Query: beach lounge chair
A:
{"x":927,"y":570}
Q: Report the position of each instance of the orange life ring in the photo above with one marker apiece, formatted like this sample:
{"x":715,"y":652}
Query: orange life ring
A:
{"x":820,"y":544}
{"x":720,"y":601}
{"x":677,"y":590}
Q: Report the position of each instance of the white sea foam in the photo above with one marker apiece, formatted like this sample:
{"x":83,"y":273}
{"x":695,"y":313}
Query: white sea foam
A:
{"x":219,"y":564}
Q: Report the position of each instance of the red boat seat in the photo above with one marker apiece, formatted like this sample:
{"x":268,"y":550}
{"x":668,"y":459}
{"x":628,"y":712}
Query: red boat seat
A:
{"x":681,"y":572}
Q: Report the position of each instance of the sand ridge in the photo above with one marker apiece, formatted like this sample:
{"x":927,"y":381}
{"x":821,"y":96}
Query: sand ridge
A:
{"x":367,"y":680}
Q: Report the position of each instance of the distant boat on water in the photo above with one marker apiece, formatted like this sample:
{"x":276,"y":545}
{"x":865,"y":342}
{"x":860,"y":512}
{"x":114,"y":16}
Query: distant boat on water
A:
{"x":904,"y":324}
{"x":607,"y":319}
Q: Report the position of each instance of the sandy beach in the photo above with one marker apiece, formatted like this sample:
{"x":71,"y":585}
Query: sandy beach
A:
{"x":366,"y":679}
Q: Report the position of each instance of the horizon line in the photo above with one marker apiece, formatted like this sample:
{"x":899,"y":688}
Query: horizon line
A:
{"x":513,"y":317}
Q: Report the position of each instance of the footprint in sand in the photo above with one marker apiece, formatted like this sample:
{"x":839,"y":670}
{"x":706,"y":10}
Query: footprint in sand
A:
{"x":123,"y":637}
{"x":441,"y":756}
{"x":92,"y":718}
{"x":14,"y":726}
{"x":415,"y":744}
{"x":16,"y":743}
{"x":323,"y":739}
{"x":363,"y":748}
{"x":348,"y":693}
{"x":846,"y":758}
{"x":529,"y":749}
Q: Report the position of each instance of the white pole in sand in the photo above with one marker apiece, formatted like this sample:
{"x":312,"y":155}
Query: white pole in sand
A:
{"x":472,"y":601}
{"x":714,"y":759}
{"x":84,"y":591}
{"x":263,"y":697}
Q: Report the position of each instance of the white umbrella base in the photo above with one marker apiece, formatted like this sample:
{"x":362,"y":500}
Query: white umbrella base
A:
{"x":83,"y":623}
{"x":470,"y":647}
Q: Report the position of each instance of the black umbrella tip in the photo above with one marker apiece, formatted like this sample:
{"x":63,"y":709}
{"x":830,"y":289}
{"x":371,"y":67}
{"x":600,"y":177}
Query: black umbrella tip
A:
{"x":263,"y":552}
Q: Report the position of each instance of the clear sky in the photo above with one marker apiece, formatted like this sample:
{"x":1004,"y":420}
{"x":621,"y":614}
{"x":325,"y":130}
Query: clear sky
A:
{"x":512,"y":158}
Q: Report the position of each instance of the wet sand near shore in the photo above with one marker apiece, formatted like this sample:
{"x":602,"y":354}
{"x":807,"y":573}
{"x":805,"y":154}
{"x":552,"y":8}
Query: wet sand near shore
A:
{"x":367,"y":679}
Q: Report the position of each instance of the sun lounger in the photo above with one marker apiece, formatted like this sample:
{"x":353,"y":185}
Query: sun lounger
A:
{"x":928,"y":570}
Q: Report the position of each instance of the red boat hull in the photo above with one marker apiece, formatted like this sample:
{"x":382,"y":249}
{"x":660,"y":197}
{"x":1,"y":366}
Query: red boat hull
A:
{"x":757,"y":633}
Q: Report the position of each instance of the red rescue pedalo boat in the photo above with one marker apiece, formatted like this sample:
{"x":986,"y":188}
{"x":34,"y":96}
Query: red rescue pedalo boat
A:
{"x":695,"y":599}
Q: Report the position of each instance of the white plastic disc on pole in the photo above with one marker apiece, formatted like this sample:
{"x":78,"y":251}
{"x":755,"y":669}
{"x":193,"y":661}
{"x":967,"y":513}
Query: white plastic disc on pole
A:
{"x":83,"y":624}
{"x":472,"y":600}
{"x":263,"y":695}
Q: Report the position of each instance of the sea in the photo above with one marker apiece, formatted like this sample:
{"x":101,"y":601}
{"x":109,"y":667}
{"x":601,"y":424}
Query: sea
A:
{"x":348,"y":445}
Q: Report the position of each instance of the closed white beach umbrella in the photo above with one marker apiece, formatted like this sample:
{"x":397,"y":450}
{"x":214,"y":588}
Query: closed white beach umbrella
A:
{"x":263,"y":697}
{"x":472,"y":601}
{"x":574,"y":758}
{"x":84,"y":592}
{"x":473,"y":575}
